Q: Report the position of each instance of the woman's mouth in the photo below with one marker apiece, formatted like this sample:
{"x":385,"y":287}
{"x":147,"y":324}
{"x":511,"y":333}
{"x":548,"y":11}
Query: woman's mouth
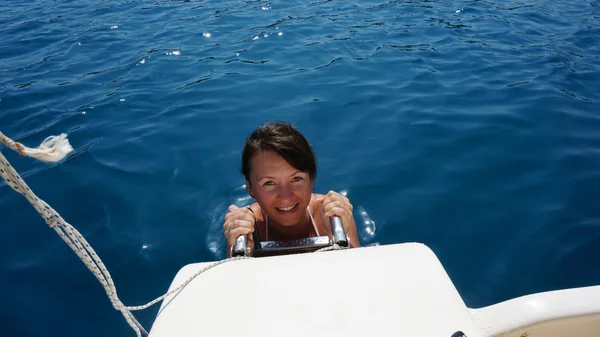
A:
{"x":286,"y":209}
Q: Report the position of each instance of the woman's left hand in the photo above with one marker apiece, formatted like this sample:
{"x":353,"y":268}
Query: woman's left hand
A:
{"x":332,"y":204}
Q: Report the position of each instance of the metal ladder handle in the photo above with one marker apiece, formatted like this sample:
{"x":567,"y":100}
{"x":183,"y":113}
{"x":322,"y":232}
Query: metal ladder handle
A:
{"x":338,"y":231}
{"x":240,"y":248}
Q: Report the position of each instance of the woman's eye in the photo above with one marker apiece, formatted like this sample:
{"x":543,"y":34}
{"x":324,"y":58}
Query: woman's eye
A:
{"x":268,"y":183}
{"x":297,"y":179}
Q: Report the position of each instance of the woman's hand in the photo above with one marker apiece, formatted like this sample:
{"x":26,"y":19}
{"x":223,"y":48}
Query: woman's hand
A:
{"x":238,"y":221}
{"x":332,"y":204}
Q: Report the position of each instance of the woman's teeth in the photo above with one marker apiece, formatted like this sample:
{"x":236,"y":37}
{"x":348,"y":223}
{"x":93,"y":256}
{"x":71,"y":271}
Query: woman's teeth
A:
{"x":285,"y":209}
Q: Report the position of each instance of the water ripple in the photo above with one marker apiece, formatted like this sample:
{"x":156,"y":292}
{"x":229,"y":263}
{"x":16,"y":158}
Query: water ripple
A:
{"x":445,"y":122}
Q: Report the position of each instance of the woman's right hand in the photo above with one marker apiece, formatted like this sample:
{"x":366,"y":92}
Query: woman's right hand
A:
{"x":238,"y":221}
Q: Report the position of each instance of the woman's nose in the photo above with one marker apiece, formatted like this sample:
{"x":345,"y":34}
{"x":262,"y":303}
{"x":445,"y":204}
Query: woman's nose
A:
{"x":285,"y":191}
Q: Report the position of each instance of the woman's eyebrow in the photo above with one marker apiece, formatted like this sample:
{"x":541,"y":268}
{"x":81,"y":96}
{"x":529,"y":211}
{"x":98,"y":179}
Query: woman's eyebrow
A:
{"x":269,"y":177}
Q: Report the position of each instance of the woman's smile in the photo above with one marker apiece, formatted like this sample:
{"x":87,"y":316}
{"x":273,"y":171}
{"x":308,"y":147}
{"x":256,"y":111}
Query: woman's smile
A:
{"x":286,"y":209}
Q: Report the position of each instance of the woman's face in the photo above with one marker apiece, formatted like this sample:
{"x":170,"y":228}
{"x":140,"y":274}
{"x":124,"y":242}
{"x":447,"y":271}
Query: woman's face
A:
{"x":282,"y":191}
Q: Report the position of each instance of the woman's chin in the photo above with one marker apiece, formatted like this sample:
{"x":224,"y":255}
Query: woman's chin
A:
{"x":288,"y":224}
{"x":288,"y":218}
{"x":287,"y":221}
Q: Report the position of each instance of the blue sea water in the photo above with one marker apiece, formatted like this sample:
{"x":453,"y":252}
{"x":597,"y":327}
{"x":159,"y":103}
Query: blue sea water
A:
{"x":470,"y":126}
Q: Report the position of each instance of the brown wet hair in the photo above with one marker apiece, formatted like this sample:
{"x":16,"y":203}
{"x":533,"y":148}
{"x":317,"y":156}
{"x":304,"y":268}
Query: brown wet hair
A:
{"x":283,"y":139}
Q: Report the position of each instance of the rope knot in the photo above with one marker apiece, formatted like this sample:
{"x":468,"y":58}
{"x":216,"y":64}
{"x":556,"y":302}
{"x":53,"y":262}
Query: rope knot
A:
{"x":52,"y":149}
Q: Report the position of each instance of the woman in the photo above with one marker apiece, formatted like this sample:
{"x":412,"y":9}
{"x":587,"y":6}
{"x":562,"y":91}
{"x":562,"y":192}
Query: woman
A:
{"x":280,"y":170}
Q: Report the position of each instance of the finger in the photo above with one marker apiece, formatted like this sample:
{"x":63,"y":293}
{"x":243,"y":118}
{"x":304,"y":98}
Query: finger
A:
{"x":241,"y":223}
{"x":232,"y":208}
{"x":339,"y":211}
{"x":335,"y":199}
{"x":229,"y":226}
{"x":332,"y":193}
{"x":239,"y":214}
{"x":347,"y":218}
{"x":235,"y":233}
{"x":336,"y":204}
{"x":336,"y":196}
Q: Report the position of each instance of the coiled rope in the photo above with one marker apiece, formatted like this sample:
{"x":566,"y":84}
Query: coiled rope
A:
{"x":54,"y":149}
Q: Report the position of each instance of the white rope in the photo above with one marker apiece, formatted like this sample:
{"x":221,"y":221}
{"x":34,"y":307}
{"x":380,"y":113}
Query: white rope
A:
{"x":54,"y":149}
{"x":151,"y":303}
{"x":335,"y":246}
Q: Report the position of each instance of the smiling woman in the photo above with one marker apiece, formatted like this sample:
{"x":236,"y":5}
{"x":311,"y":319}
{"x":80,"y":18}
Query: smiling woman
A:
{"x":280,"y":169}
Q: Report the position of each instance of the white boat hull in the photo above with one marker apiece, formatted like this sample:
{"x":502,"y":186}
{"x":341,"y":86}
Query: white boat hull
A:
{"x":562,"y":313}
{"x":399,"y":290}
